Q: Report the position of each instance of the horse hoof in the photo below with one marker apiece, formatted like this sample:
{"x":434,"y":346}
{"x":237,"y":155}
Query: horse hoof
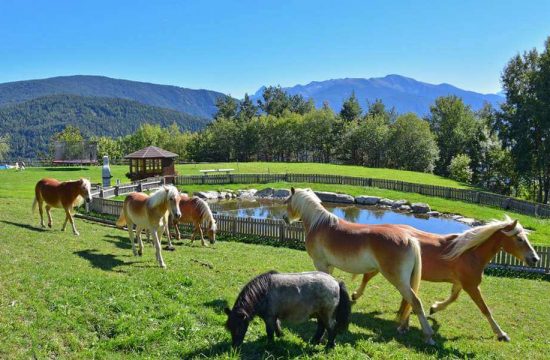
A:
{"x":402,"y":330}
{"x":170,"y":248}
{"x":432,"y":310}
{"x":163,"y":266}
{"x":49,"y":225}
{"x":354,"y":296}
{"x":76,"y":234}
{"x":135,"y":253}
{"x":140,"y":253}
{"x":504,"y":337}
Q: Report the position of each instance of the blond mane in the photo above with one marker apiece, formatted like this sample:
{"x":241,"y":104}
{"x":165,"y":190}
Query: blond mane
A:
{"x":205,"y":212}
{"x":161,"y":195}
{"x":308,"y":205}
{"x":474,"y":237}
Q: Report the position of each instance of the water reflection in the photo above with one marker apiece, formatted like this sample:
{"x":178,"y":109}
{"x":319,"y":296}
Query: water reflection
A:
{"x":272,"y":209}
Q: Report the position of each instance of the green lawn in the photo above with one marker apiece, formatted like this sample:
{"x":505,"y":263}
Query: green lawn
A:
{"x":82,"y":297}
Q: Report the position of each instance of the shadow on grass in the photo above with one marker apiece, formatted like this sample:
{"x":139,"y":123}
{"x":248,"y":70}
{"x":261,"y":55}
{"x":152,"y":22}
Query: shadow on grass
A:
{"x":218,"y":305}
{"x":68,"y":168}
{"x":121,"y":242}
{"x":24,"y":226}
{"x":105,"y":262}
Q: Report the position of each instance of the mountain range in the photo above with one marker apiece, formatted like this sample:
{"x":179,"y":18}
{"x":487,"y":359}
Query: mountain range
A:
{"x":403,"y":93}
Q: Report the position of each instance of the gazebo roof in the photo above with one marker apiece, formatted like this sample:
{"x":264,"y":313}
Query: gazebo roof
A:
{"x":151,"y":152}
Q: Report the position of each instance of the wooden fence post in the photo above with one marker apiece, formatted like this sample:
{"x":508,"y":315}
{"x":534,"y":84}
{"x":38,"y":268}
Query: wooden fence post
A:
{"x":282,"y":232}
{"x":234,"y":227}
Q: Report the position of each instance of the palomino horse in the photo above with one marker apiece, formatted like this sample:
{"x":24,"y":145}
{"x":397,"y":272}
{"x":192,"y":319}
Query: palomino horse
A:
{"x":460,"y":260}
{"x":150,"y":213}
{"x":195,"y":210}
{"x":56,"y":194}
{"x":294,"y":297}
{"x":358,"y":249}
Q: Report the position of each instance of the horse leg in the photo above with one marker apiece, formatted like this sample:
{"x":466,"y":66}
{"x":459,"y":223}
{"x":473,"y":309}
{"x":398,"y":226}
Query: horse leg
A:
{"x":167,"y":230}
{"x":361,"y":289}
{"x":48,"y":212}
{"x":476,"y":296}
{"x":316,"y":339}
{"x":270,"y":326}
{"x":130,"y":227}
{"x":71,"y":220}
{"x":202,"y":236}
{"x":442,"y":305}
{"x":278,"y":330}
{"x":177,"y":229}
{"x":41,"y":212}
{"x":138,"y":238}
{"x":194,"y":232}
{"x":156,"y":241}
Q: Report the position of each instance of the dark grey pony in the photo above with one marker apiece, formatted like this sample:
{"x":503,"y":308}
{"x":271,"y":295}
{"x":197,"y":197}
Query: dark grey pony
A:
{"x":295,"y":297}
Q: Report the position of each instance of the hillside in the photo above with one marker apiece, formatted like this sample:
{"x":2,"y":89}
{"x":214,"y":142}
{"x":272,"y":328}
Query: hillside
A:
{"x":194,"y":102}
{"x":405,"y":94}
{"x":32,"y":123}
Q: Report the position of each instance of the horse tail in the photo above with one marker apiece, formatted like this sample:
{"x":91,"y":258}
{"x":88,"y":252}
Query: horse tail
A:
{"x":122,"y":218}
{"x":343,"y":309}
{"x":416,"y":274}
{"x":34,"y":204}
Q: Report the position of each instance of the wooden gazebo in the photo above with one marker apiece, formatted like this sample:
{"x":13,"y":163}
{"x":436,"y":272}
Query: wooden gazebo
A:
{"x":151,"y":161}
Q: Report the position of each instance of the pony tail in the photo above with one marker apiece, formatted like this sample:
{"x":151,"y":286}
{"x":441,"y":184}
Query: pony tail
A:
{"x":343,"y":309}
{"x":34,"y":204}
{"x":121,"y":219}
{"x":416,"y":274}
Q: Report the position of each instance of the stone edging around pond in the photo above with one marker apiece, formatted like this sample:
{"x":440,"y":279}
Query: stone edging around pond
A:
{"x":403,"y":206}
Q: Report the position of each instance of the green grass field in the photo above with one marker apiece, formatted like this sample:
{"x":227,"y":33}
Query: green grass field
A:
{"x":63,"y":296}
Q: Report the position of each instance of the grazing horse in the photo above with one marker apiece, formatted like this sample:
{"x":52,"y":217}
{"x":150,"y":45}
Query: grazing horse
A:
{"x":195,"y":210}
{"x":150,"y":213}
{"x":460,"y":259}
{"x":56,"y":194}
{"x":295,"y":297}
{"x":358,"y":249}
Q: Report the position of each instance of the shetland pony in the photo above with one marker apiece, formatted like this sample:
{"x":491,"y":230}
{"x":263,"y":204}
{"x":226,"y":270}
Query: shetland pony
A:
{"x":460,"y":259}
{"x":56,"y":194}
{"x":294,"y":297}
{"x":195,"y":210}
{"x":358,"y":249}
{"x":150,"y":213}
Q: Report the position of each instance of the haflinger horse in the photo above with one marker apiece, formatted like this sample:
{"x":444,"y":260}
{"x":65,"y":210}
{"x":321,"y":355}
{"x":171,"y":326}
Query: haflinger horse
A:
{"x":57,"y":194}
{"x":359,"y":249}
{"x":460,"y":259}
{"x":294,"y":297}
{"x":150,"y":213}
{"x":195,"y":210}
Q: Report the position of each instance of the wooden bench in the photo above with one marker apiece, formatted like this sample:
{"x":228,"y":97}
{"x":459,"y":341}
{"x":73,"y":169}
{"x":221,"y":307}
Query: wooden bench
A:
{"x":227,"y":171}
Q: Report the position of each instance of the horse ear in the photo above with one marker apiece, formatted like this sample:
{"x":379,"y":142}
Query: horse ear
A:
{"x":512,"y":226}
{"x":292,"y":190}
{"x":227,"y":310}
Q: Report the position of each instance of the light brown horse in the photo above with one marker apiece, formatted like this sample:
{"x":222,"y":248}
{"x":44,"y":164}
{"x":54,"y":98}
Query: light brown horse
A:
{"x":358,"y":249}
{"x":56,"y":194}
{"x":150,"y":213}
{"x":195,"y":210}
{"x":460,"y":260}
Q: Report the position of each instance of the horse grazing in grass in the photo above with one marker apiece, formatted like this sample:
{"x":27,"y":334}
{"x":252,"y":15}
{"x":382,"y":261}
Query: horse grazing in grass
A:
{"x":358,"y":249}
{"x":294,"y":297}
{"x":460,"y":259}
{"x":195,"y":210}
{"x":150,"y":213}
{"x":56,"y":194}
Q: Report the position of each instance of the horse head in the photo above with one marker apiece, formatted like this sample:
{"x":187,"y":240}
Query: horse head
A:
{"x":85,"y":189}
{"x":292,"y":213}
{"x":173,"y":199}
{"x":237,"y":324}
{"x":513,"y":238}
{"x":211,"y":232}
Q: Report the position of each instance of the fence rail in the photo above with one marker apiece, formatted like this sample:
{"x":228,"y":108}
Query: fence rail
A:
{"x":293,"y":234}
{"x":467,"y":195}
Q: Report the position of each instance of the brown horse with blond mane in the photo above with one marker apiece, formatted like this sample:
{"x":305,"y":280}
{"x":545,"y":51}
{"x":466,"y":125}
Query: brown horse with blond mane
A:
{"x":57,"y":194}
{"x":358,"y":249}
{"x":460,"y":259}
{"x":196,"y":211}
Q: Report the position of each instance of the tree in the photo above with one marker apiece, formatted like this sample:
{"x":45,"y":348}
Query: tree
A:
{"x":459,"y":168}
{"x":300,"y":105}
{"x":379,"y":109}
{"x":275,"y":101}
{"x":524,"y":122}
{"x":247,"y":109}
{"x":455,"y":127}
{"x":412,"y":145}
{"x":4,"y":146}
{"x":227,"y":107}
{"x":71,"y":138}
{"x":351,"y":110}
{"x":109,"y":146}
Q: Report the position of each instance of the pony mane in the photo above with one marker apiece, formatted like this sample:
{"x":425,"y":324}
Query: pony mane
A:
{"x":253,"y":294}
{"x":160,"y":196}
{"x":79,"y":200}
{"x":474,"y":237}
{"x":309,"y":206}
{"x":205,"y":212}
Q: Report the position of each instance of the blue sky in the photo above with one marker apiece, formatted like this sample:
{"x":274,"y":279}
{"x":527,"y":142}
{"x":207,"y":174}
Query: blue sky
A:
{"x":237,"y":46}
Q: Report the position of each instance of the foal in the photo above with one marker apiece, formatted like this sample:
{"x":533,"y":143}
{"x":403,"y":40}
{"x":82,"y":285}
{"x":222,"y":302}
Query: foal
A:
{"x":150,"y":213}
{"x":56,"y":194}
{"x":294,"y":297}
{"x":195,"y":210}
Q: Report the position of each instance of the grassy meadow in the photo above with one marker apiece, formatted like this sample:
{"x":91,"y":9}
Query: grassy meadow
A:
{"x":63,"y":296}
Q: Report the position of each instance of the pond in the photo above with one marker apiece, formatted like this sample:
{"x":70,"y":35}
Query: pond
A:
{"x":272,"y":209}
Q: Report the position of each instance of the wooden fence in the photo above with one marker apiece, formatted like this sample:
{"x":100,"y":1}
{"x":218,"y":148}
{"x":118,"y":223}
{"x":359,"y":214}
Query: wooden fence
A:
{"x":293,"y":234}
{"x":467,"y":195}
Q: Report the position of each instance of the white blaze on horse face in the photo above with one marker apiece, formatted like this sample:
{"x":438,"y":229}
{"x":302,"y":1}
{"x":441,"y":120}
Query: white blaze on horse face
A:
{"x":87,"y":190}
{"x":519,"y":245}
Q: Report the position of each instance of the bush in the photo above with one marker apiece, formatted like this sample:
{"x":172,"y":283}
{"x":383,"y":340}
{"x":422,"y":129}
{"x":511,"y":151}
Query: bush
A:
{"x":459,"y":168}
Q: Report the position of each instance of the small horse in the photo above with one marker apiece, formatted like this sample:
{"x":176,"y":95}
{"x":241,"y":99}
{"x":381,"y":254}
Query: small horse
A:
{"x":150,"y":212}
{"x":358,"y":249}
{"x":460,"y":259}
{"x":295,"y":297}
{"x":195,"y":210}
{"x":56,"y":194}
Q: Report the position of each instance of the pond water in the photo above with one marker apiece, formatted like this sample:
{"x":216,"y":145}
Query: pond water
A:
{"x":272,"y":209}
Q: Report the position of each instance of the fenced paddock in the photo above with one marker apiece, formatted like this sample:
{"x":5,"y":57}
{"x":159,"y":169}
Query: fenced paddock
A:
{"x":293,"y":235}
